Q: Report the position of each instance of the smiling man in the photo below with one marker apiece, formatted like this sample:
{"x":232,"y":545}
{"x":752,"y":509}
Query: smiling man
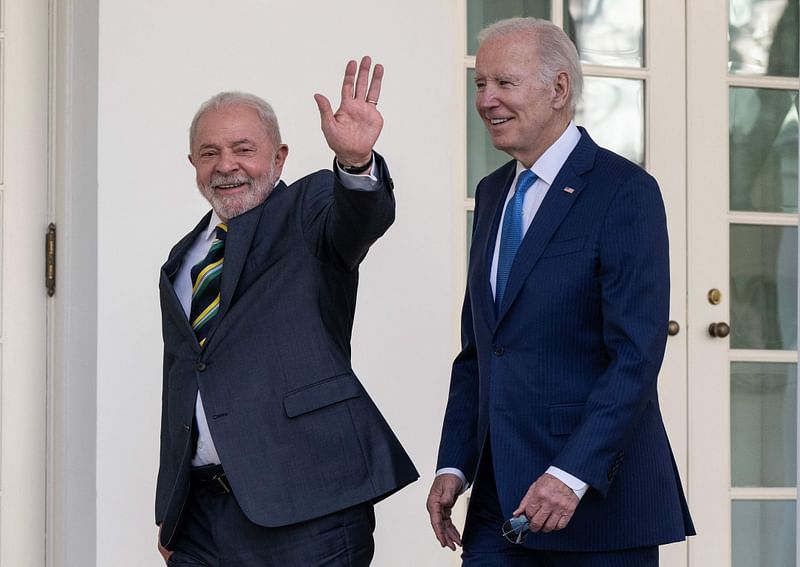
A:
{"x":272,"y":453}
{"x":553,"y":414}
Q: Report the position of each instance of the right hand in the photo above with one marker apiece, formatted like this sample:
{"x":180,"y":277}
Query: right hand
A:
{"x":441,"y":499}
{"x":549,"y":504}
{"x":165,"y":553}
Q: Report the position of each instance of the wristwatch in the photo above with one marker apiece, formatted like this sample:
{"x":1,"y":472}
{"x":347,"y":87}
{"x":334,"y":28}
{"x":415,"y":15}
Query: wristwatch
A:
{"x":355,"y":169}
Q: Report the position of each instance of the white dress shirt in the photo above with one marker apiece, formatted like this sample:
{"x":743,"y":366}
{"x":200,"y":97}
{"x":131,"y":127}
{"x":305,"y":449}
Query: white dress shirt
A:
{"x":546,"y":169}
{"x":206,"y":452}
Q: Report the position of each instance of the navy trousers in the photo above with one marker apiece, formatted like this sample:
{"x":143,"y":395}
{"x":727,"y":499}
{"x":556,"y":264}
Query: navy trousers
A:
{"x":485,"y":546}
{"x":214,"y":532}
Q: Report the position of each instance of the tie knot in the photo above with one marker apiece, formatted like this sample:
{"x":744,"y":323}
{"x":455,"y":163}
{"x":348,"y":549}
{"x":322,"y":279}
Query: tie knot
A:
{"x":221,"y":231}
{"x":525,"y":180}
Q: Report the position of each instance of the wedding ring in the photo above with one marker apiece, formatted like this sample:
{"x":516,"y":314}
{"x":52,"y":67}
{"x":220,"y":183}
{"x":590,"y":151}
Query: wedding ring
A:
{"x":375,"y":102}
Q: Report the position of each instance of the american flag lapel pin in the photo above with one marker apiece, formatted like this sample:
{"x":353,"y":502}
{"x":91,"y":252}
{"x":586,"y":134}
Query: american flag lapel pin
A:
{"x":569,"y":190}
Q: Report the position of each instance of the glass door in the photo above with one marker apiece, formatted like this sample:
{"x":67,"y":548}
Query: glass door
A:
{"x":705,"y":96}
{"x":742,"y":203}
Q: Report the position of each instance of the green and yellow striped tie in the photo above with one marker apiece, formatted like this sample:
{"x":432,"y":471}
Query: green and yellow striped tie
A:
{"x":206,"y":277}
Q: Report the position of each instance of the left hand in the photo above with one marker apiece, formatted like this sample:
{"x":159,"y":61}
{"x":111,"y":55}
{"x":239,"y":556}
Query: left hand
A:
{"x":549,"y":504}
{"x":353,"y":129}
{"x":165,"y":553}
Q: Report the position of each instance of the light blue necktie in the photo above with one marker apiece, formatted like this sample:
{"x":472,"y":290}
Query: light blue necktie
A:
{"x":511,"y":236}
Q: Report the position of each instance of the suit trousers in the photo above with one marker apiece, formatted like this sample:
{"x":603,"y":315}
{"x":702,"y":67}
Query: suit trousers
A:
{"x":485,"y":545}
{"x":214,"y":532}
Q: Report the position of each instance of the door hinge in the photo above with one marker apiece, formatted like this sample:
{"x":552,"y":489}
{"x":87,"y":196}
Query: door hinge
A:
{"x":50,"y":260}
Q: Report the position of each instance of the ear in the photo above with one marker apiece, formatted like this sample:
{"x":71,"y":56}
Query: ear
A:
{"x":191,"y":160}
{"x":561,"y":90}
{"x":280,"y":159}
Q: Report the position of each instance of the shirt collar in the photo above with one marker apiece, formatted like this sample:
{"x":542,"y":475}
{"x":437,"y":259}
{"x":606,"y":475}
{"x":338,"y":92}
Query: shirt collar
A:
{"x":211,"y":230}
{"x":552,"y":160}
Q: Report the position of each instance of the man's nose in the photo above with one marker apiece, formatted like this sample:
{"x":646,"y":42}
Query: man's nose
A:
{"x":227,"y":163}
{"x":485,"y":99}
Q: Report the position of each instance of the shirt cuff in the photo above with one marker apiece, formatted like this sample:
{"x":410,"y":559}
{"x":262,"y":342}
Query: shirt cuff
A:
{"x":577,"y":485}
{"x":358,"y":182}
{"x":458,"y":473}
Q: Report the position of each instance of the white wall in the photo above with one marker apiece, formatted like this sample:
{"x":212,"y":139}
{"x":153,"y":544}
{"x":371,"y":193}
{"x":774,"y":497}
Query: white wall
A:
{"x":157,"y":62}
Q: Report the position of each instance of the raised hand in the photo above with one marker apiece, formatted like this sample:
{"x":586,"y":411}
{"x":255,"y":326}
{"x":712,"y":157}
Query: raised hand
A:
{"x":353,"y":129}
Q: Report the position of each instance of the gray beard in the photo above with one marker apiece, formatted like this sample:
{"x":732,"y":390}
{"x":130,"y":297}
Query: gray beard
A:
{"x":228,"y":207}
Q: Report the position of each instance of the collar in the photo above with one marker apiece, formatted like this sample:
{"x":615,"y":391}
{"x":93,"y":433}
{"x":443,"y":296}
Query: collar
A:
{"x":552,"y":160}
{"x":211,"y":230}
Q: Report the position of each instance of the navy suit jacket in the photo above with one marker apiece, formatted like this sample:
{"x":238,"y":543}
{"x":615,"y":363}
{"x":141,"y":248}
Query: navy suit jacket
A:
{"x":564,"y":372}
{"x":295,"y":430}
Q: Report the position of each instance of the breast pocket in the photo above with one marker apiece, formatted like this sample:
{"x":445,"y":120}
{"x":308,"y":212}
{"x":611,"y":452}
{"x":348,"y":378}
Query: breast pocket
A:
{"x":564,"y":247}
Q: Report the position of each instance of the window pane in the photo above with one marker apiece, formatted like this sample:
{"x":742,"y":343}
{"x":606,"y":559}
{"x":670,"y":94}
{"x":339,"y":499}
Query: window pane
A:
{"x":763,"y":533}
{"x":763,"y":424}
{"x":612,"y":110}
{"x":482,"y":157}
{"x":481,"y":13}
{"x":606,"y":33}
{"x":763,"y":37}
{"x":763,"y":150}
{"x":763,"y":262}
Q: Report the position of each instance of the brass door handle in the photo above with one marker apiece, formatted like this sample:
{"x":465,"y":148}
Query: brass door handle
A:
{"x":719,"y":330}
{"x":673,"y":328}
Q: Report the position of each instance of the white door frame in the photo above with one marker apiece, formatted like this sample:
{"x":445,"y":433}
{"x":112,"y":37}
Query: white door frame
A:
{"x":72,"y":411}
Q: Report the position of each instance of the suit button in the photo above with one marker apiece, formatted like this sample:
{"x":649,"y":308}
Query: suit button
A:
{"x":499,"y":351}
{"x":200,"y":366}
{"x":187,"y":428}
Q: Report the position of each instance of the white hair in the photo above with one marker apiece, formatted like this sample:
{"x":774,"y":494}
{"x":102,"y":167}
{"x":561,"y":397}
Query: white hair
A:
{"x":264,"y":110}
{"x":555,"y":50}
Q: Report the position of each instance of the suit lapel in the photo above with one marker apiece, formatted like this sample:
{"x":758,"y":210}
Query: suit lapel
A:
{"x":565,"y":190}
{"x":241,"y":231}
{"x":238,"y":247}
{"x":488,"y":239}
{"x":239,"y":244}
{"x":169,"y":270}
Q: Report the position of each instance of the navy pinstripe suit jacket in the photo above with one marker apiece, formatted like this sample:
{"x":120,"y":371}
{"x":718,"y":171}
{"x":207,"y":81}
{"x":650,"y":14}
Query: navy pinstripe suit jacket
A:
{"x":564,"y":372}
{"x":297,"y":433}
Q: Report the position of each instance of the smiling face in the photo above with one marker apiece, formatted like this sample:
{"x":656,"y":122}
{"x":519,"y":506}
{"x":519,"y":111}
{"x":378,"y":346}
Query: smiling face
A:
{"x":236,"y":161}
{"x":523,"y":114}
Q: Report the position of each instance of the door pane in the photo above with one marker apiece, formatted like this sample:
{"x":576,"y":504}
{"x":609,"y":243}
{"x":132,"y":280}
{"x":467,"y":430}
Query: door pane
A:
{"x":763,"y":149}
{"x":763,"y":533}
{"x":763,"y":263}
{"x":481,"y":13}
{"x":612,"y":110}
{"x":763,"y":37}
{"x":763,"y":424}
{"x":482,"y":156}
{"x":606,"y":33}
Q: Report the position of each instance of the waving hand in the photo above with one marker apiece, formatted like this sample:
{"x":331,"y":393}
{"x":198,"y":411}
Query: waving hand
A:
{"x":353,"y":129}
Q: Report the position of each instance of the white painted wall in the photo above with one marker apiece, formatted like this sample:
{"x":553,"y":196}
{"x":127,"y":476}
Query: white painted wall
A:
{"x":157,"y":62}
